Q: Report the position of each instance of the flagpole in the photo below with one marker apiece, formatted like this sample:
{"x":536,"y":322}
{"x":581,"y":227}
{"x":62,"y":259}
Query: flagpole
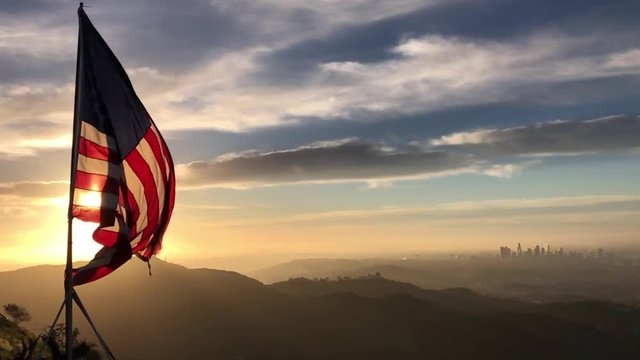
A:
{"x":68,"y":278}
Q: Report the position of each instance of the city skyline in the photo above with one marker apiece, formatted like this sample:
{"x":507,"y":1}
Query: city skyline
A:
{"x":541,"y":251}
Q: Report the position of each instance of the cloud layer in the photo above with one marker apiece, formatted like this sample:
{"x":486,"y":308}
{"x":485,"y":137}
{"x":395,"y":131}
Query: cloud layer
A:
{"x":26,"y":199}
{"x":481,"y":151}
{"x":613,"y":133}
{"x":338,"y":161}
{"x":40,"y":189}
{"x":242,"y":65}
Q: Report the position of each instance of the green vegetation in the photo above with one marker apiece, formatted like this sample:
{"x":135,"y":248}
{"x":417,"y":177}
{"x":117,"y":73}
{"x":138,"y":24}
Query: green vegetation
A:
{"x":82,"y":349}
{"x":17,"y":343}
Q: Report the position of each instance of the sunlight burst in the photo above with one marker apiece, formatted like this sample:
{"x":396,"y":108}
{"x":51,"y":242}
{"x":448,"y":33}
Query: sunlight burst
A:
{"x":89,"y":199}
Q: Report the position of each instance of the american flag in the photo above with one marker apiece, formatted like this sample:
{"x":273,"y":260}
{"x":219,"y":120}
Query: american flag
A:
{"x":124,"y":177}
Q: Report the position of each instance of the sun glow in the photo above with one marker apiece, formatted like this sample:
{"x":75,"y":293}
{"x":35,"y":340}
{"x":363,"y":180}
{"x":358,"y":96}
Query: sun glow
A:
{"x":89,"y":199}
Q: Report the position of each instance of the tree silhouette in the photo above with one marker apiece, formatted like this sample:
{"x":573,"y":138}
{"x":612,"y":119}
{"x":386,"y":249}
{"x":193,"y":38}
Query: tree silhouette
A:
{"x":29,"y":349}
{"x":16,"y":312}
{"x":82,"y":349}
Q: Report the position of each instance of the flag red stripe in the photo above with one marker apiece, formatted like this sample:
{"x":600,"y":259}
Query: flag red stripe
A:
{"x":133,"y":213}
{"x":90,"y":149}
{"x":87,"y":181}
{"x":106,"y":237}
{"x":172,"y":179}
{"x":152,"y":140}
{"x":104,"y":263}
{"x":156,"y":244}
{"x":86,"y":213}
{"x":141,"y":245}
{"x":155,"y":247}
{"x":140,"y":166}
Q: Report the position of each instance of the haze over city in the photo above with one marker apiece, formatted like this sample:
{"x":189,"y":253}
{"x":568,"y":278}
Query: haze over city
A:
{"x":341,"y":129}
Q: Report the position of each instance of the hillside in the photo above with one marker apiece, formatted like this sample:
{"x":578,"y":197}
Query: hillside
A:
{"x":457,"y":299}
{"x":530,"y":279}
{"x":182,"y":313}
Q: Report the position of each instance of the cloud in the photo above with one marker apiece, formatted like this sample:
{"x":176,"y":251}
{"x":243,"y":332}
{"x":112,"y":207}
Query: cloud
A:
{"x":612,"y":133}
{"x":18,"y":212}
{"x":35,"y":189}
{"x":629,"y":59}
{"x":208,"y":207}
{"x":36,"y":46}
{"x":335,"y":161}
{"x":368,"y":41}
{"x":176,"y":36}
{"x":540,"y":203}
{"x":26,"y":199}
{"x":379,"y":164}
{"x":30,"y":39}
{"x":417,"y":75}
{"x":506,"y":170}
{"x":466,"y":210}
{"x":35,"y":117}
{"x":238,"y":66}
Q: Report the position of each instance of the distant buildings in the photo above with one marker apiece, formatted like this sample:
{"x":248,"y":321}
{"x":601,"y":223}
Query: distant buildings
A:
{"x":539,"y":252}
{"x":505,"y":251}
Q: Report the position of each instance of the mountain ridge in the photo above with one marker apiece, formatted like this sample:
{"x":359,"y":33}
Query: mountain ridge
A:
{"x":182,"y":313}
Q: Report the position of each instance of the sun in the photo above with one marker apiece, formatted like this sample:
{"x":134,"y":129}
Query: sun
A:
{"x":89,"y":198}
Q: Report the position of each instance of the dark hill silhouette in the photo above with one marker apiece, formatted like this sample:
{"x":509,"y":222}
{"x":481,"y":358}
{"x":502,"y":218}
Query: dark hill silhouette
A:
{"x":461,"y":299}
{"x":540,"y":279}
{"x":182,"y":313}
{"x":309,"y":268}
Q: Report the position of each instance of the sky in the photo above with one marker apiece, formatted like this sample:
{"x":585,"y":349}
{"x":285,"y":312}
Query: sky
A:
{"x":334,"y":128}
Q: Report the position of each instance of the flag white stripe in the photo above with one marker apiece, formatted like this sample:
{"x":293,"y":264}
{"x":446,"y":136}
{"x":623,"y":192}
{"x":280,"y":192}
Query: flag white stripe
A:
{"x":136,"y":240}
{"x":90,"y":133}
{"x":147,"y":154}
{"x":164,"y":156}
{"x":92,"y":166}
{"x":135,"y":187}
